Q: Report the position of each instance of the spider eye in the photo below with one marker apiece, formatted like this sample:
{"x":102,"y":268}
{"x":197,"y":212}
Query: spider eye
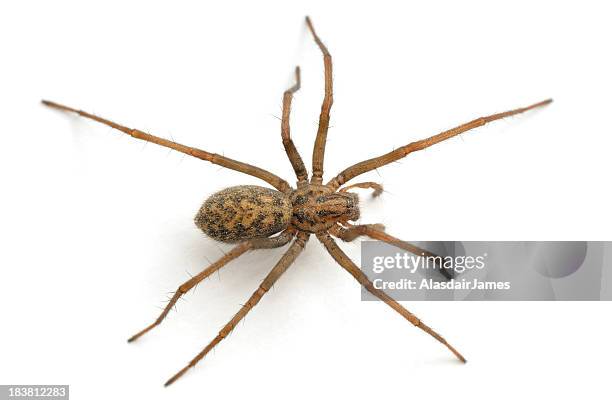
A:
{"x":300,"y":200}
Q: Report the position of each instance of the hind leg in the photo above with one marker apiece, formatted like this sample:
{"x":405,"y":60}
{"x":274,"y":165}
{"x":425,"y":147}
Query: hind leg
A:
{"x":279,"y":269}
{"x":237,"y":251}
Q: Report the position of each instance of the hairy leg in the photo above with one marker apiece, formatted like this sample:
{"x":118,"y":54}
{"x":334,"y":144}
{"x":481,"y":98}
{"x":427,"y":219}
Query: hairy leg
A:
{"x":377,"y":232}
{"x":376,"y":187}
{"x":350,"y":232}
{"x":234,"y":253}
{"x":280,"y":268}
{"x":216,"y":159}
{"x":371,"y":164}
{"x":318,"y":153}
{"x":341,"y":258}
{"x":292,"y":152}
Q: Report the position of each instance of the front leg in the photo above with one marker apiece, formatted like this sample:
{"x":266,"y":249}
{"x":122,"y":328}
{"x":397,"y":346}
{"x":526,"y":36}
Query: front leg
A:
{"x":344,"y":261}
{"x":377,"y":232}
{"x":399,"y":153}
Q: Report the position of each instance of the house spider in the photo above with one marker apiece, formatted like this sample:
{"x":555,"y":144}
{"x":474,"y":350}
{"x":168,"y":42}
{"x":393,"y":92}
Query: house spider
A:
{"x":254,"y":217}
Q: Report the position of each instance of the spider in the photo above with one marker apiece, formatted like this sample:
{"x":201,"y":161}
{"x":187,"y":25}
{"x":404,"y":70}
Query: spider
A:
{"x":255,"y":217}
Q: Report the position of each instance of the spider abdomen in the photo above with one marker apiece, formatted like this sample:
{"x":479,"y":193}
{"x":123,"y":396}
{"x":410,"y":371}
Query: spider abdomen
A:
{"x":244,"y":212}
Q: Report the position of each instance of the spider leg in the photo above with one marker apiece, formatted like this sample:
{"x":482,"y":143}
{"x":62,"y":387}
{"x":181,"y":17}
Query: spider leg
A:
{"x":373,"y":163}
{"x":191,"y":283}
{"x":292,"y":152}
{"x":377,"y":232}
{"x":318,"y":153}
{"x":377,"y":187}
{"x":217,"y":159}
{"x":341,"y":258}
{"x":234,"y":253}
{"x":280,"y":268}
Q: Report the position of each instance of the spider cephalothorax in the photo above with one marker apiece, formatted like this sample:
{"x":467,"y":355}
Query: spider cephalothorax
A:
{"x":318,"y":208}
{"x":254,"y":217}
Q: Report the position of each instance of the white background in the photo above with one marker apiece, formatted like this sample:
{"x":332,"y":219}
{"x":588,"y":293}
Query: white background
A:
{"x":97,"y":227}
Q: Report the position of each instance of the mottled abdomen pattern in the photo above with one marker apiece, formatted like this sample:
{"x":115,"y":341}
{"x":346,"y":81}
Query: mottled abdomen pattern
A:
{"x":242,"y":213}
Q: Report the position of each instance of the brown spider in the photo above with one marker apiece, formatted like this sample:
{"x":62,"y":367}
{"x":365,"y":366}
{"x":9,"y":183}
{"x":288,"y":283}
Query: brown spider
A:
{"x":249,"y":216}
